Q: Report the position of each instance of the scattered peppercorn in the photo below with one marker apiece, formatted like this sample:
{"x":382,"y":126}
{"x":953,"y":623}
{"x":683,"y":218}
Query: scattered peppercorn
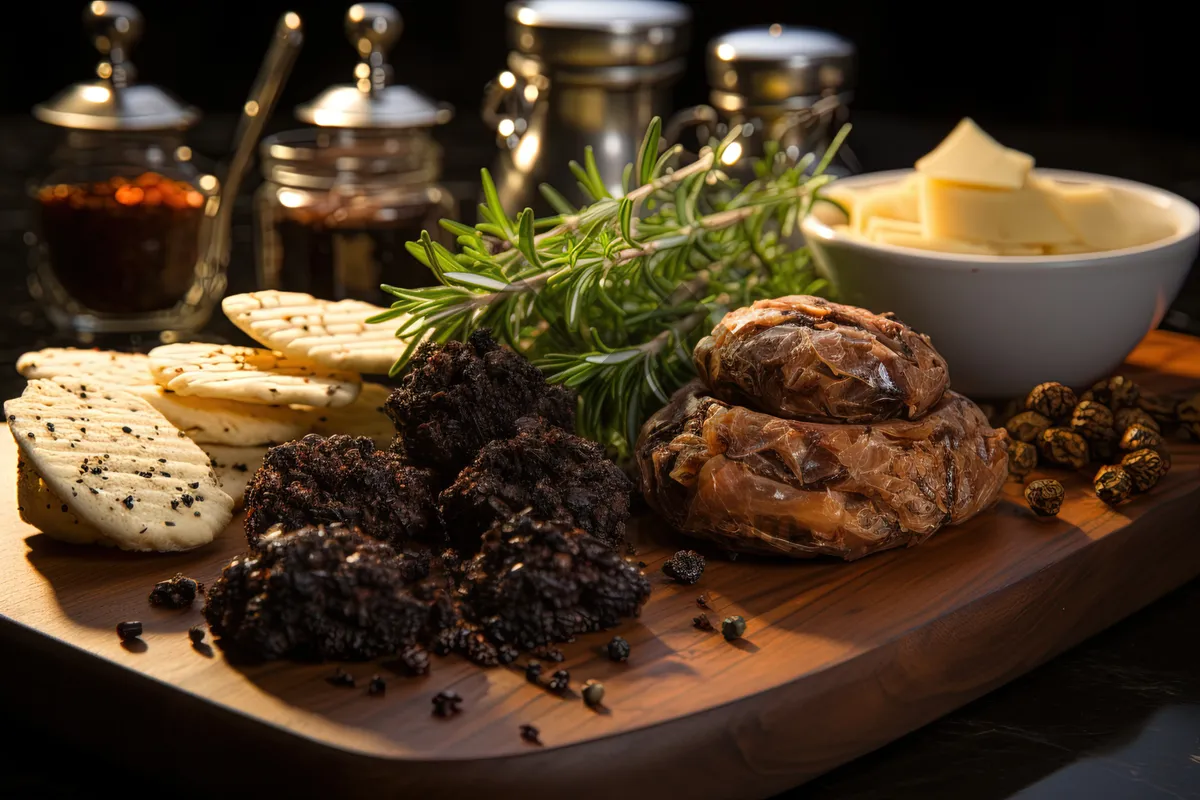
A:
{"x":559,"y":681}
{"x":686,"y":566}
{"x":1045,"y":497}
{"x":1022,"y":458}
{"x":733,"y":628}
{"x":1144,"y":467}
{"x":533,"y":671}
{"x":340,"y":678}
{"x":446,"y":703}
{"x":196,"y":634}
{"x":618,"y":649}
{"x":1063,"y":447}
{"x":530,"y":734}
{"x":1051,"y":400}
{"x":1027,"y":426}
{"x":593,"y":693}
{"x":128,"y":501}
{"x":1137,"y":437}
{"x":702,"y":622}
{"x":1113,"y":485}
{"x":131,"y":629}
{"x":1128,"y":417}
{"x":377,"y":686}
{"x":702,"y":600}
{"x":178,"y":592}
{"x":412,"y":661}
{"x":1092,"y":420}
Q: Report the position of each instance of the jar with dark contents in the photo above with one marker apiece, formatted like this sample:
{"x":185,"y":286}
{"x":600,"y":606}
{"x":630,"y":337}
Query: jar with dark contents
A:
{"x":337,"y":208}
{"x":341,"y":199}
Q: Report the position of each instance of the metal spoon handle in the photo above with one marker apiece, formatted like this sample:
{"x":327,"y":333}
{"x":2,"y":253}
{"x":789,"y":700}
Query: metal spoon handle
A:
{"x":268,"y":84}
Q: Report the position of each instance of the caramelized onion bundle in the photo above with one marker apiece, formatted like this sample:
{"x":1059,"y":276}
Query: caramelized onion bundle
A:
{"x":756,"y":483}
{"x":805,"y":358}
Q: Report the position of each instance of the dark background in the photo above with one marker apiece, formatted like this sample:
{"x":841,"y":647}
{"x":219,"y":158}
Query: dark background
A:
{"x":1114,"y":66}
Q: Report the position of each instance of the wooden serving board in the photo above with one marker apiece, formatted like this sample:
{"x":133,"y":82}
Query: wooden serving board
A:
{"x":838,"y":659}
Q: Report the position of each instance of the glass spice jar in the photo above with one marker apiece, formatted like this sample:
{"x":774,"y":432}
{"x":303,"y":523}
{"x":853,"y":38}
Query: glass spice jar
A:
{"x":341,"y":200}
{"x":337,"y":207}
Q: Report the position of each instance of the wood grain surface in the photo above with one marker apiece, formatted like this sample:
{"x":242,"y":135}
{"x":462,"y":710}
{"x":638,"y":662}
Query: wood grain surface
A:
{"x":837,"y":660}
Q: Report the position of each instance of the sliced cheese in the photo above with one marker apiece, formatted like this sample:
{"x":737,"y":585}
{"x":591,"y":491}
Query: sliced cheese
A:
{"x":902,"y":239}
{"x":1104,"y":219}
{"x":896,"y":201}
{"x":1022,"y":216}
{"x":883,"y":224}
{"x":971,"y":157}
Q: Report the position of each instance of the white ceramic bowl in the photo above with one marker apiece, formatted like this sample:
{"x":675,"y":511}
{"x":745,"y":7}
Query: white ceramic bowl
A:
{"x":1007,"y":323}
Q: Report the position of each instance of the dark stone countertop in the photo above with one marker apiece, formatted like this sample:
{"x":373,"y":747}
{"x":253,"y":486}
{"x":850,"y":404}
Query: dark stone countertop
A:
{"x":1116,"y":718}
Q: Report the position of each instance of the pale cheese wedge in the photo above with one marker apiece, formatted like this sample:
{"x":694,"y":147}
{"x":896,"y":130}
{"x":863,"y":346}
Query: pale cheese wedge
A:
{"x":1103,"y":218}
{"x":1022,"y":216}
{"x":920,"y":242}
{"x":970,"y":157}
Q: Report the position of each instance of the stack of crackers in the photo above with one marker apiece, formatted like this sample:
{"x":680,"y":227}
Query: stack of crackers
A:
{"x":154,"y":452}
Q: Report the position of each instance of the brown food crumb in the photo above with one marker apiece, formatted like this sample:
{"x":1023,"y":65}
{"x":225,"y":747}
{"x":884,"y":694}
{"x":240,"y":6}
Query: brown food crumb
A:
{"x":178,"y":592}
{"x":340,"y":678}
{"x":377,"y":686}
{"x":531,"y":734}
{"x":702,"y":622}
{"x":131,"y":629}
{"x":446,"y":703}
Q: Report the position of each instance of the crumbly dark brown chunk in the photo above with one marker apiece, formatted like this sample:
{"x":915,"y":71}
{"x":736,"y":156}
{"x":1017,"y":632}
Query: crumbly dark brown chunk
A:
{"x":342,"y":479}
{"x":1113,"y":485}
{"x":1045,"y":497}
{"x":316,"y":593}
{"x":686,"y":566}
{"x":558,"y":475}
{"x":1051,"y":400}
{"x":568,"y":583}
{"x":456,"y":398}
{"x":178,"y":592}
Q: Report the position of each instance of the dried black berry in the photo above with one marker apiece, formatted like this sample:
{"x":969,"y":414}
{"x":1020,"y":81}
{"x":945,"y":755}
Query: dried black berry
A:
{"x":1063,"y":447}
{"x":1022,"y":458}
{"x":1027,"y":426}
{"x":1113,"y":485}
{"x":178,"y":592}
{"x":1045,"y":497}
{"x":131,"y":629}
{"x":618,"y":649}
{"x":559,"y":681}
{"x":702,"y":622}
{"x":1052,"y":400}
{"x":446,"y":703}
{"x":1145,"y":467}
{"x":733,"y":628}
{"x":196,"y":634}
{"x":593,"y":693}
{"x":686,"y":566}
{"x":533,"y":671}
{"x":341,"y":678}
{"x":377,"y":686}
{"x":530,"y":734}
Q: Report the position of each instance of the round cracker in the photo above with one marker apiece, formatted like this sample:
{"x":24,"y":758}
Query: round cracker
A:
{"x":235,"y":468}
{"x":335,"y":334}
{"x":250,"y":375}
{"x":364,"y":417}
{"x":109,"y":366}
{"x":209,"y":421}
{"x":46,"y":511}
{"x":119,"y":465}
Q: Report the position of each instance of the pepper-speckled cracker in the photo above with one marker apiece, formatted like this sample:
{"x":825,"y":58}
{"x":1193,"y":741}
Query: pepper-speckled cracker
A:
{"x":335,"y":334}
{"x":109,"y":366}
{"x":364,"y":417}
{"x":118,"y":465}
{"x":235,"y":467}
{"x":46,"y":511}
{"x":250,"y":375}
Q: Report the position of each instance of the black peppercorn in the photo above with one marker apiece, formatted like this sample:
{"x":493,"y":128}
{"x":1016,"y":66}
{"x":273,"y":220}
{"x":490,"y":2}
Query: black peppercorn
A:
{"x":531,"y":734}
{"x":733,"y":628}
{"x":1022,"y":458}
{"x":340,"y":678}
{"x":559,"y":681}
{"x":1052,"y":400}
{"x":1061,"y":446}
{"x":446,"y":703}
{"x":1128,"y":417}
{"x":196,"y":634}
{"x":686,"y":566}
{"x":131,"y":629}
{"x":1137,"y":437}
{"x":1045,"y":497}
{"x":533,"y":671}
{"x":618,"y":649}
{"x":1113,"y":485}
{"x":1144,"y":467}
{"x":1027,"y":426}
{"x":377,"y":686}
{"x":593,"y":693}
{"x":1092,"y":420}
{"x":702,"y":622}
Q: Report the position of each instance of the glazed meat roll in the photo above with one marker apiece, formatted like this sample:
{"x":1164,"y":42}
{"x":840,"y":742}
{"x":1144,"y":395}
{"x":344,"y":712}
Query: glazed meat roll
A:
{"x":756,"y":483}
{"x":809,"y":359}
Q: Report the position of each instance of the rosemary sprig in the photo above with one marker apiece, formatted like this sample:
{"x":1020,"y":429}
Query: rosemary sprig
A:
{"x":611,"y":298}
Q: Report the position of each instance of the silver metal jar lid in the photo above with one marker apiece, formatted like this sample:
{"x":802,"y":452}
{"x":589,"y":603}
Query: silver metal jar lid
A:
{"x":114,"y":102}
{"x":371,"y":101}
{"x":774,"y":64}
{"x":599,"y":33}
